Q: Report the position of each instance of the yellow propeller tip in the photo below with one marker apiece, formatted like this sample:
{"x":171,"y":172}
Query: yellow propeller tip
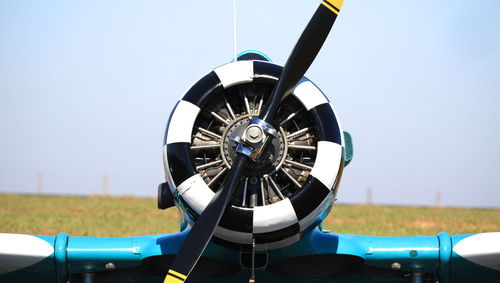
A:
{"x":333,"y":5}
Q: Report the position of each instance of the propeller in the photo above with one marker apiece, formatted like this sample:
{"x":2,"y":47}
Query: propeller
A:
{"x":303,"y":54}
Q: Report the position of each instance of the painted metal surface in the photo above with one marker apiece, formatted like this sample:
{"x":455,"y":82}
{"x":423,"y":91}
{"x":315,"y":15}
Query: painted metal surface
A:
{"x":25,"y":258}
{"x":474,"y":257}
{"x":256,"y":55}
{"x":61,"y":256}
{"x":482,"y":249}
{"x":19,"y":251}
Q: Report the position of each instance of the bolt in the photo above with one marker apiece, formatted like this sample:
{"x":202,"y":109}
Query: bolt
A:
{"x":396,"y":266}
{"x":254,"y":133}
{"x":110,"y":266}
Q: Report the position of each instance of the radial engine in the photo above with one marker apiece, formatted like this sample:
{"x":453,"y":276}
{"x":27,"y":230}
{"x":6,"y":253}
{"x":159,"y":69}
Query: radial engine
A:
{"x":289,"y":189}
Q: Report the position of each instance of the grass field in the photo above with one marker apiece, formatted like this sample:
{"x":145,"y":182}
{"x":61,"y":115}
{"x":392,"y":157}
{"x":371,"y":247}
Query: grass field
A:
{"x":129,"y":216}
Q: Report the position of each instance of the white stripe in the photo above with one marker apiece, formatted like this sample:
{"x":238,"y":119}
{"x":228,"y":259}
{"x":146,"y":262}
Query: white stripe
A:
{"x":235,"y":73}
{"x":196,"y":193}
{"x":309,"y":94}
{"x":278,"y":244}
{"x":133,"y":250}
{"x":401,"y":249}
{"x":19,"y":251}
{"x":482,"y":249}
{"x":273,"y":217}
{"x":233,"y":236}
{"x":181,"y":124}
{"x":326,"y":166}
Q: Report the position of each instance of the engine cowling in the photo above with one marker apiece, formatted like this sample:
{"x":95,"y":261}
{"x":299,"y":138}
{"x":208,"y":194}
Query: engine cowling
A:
{"x":289,"y":189}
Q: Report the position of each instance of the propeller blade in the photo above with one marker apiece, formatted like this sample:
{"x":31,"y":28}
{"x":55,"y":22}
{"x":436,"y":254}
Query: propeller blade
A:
{"x":204,"y":228}
{"x":303,"y":54}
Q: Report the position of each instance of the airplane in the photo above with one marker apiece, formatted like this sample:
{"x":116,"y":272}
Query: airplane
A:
{"x":253,"y":155}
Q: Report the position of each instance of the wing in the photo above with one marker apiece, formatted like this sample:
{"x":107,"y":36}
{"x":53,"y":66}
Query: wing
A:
{"x":29,"y":258}
{"x":356,"y":258}
{"x":318,"y":255}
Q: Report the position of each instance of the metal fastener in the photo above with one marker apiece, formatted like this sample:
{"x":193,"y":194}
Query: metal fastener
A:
{"x":396,"y":266}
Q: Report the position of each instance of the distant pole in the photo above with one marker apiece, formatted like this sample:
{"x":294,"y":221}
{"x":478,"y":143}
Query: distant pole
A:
{"x":369,"y":196}
{"x":438,"y":199}
{"x":39,"y":182}
{"x":105,"y":184}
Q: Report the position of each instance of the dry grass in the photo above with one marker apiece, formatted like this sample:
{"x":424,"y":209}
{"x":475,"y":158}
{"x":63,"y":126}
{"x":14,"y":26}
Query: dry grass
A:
{"x":129,"y":216}
{"x":405,"y":221}
{"x":84,"y":216}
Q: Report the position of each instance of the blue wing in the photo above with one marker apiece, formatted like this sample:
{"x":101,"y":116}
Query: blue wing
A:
{"x":318,"y":255}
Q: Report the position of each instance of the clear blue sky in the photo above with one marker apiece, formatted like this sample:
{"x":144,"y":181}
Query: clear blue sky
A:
{"x":86,"y":88}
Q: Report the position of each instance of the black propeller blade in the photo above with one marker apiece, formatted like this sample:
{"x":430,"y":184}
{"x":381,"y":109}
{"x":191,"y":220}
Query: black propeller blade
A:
{"x":303,"y":54}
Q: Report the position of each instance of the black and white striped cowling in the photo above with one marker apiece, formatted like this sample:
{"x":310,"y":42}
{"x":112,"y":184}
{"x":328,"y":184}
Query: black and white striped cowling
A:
{"x":272,"y":226}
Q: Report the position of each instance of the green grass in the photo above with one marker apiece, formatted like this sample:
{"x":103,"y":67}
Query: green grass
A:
{"x":129,"y":216}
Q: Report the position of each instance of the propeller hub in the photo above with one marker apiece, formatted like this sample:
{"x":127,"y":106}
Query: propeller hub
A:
{"x":254,"y":134}
{"x":271,"y":158}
